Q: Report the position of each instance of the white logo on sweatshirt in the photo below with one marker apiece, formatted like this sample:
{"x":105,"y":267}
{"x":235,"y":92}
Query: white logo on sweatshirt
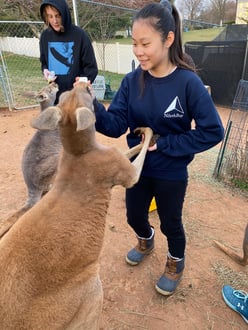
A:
{"x":174,"y":110}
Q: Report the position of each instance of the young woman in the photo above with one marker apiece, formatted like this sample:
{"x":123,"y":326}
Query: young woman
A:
{"x":65,"y":48}
{"x":163,"y":93}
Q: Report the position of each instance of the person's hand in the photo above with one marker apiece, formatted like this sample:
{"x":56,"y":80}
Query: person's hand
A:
{"x":153,"y":147}
{"x":76,"y":81}
{"x":49,"y":75}
{"x":153,"y":143}
{"x":90,"y":88}
{"x":46,"y":74}
{"x":81,"y":79}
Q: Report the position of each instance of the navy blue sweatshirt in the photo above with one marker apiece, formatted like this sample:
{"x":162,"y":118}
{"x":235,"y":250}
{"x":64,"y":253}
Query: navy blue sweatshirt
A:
{"x":70,"y":53}
{"x":177,"y":107}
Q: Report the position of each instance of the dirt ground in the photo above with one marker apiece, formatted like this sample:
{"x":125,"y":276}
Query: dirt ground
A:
{"x":211,"y":211}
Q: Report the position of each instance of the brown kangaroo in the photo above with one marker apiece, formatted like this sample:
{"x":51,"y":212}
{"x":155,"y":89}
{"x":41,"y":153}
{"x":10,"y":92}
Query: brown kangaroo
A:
{"x":49,"y":273}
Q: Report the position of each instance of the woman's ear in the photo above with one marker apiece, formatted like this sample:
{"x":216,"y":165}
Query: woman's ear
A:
{"x":170,"y":39}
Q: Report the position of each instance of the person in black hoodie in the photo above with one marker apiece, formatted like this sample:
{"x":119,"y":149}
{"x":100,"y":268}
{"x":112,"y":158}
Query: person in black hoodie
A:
{"x":66,"y":51}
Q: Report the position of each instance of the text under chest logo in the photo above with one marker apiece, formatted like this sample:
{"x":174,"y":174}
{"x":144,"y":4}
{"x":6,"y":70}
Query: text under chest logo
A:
{"x":174,"y":110}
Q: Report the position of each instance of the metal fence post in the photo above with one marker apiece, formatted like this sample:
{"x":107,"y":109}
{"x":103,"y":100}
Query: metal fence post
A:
{"x":245,"y":59}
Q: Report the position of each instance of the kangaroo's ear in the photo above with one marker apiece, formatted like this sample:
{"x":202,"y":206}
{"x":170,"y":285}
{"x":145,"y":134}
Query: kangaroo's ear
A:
{"x":47,"y":119}
{"x":41,"y":97}
{"x":85,"y":118}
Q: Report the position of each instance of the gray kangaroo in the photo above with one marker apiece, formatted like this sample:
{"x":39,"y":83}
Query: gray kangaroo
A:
{"x":39,"y":159}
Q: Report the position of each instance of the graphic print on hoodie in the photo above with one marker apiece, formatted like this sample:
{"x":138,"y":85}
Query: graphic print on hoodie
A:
{"x":60,"y":57}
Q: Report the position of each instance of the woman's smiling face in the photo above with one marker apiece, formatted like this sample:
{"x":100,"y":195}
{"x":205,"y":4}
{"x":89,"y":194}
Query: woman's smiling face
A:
{"x":148,"y":47}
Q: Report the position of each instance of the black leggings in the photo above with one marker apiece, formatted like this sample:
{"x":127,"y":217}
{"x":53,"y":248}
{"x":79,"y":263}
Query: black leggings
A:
{"x":169,"y":196}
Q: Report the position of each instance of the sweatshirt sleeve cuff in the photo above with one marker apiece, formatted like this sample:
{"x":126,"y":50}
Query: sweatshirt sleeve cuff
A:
{"x":161,"y":143}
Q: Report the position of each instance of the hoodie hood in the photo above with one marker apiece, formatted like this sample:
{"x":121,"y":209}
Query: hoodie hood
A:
{"x":62,"y":7}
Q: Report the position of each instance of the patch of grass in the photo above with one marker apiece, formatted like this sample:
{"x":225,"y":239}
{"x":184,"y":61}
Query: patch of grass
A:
{"x":194,"y":35}
{"x":24,"y":75}
{"x":202,"y":35}
{"x":23,"y":69}
{"x":226,"y":275}
{"x":242,"y":185}
{"x":114,"y":79}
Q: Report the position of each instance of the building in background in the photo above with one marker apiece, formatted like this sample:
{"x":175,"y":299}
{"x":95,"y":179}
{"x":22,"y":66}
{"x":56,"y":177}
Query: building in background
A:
{"x":242,"y":12}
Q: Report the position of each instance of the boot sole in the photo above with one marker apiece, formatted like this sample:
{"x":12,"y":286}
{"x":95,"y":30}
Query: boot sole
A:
{"x":164,"y":293}
{"x":135,"y":263}
{"x":132,"y":263}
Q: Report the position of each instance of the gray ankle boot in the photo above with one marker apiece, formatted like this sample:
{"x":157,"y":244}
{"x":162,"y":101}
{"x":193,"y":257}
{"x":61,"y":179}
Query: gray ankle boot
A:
{"x":173,"y":273}
{"x":143,"y":248}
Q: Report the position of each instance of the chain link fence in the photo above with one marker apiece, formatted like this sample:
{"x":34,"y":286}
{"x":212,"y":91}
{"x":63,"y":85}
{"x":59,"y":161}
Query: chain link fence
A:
{"x":20,"y":69}
{"x":19,"y":49}
{"x":20,"y":66}
{"x":232,"y":163}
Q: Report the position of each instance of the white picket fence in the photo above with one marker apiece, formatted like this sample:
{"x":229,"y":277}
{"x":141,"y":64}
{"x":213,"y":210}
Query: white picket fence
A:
{"x":116,"y":58}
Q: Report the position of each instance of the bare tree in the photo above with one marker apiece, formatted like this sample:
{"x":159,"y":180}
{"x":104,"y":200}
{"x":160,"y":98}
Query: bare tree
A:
{"x":29,"y":9}
{"x":132,"y":4}
{"x":210,"y":14}
{"x":87,"y":11}
{"x":230,"y":11}
{"x":23,"y":9}
{"x":192,"y":8}
{"x":219,"y":7}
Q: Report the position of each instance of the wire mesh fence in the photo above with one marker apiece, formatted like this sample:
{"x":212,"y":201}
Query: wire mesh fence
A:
{"x":105,"y":23}
{"x":6,"y":95}
{"x":20,"y":67}
{"x":19,"y":46}
{"x":232,"y":162}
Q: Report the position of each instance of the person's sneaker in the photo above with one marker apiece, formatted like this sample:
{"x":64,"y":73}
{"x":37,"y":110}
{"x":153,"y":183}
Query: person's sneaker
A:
{"x":236,"y":300}
{"x":173,"y":273}
{"x":144,"y":247}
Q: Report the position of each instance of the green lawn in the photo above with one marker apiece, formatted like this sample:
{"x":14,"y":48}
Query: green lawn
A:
{"x":195,"y":35}
{"x":202,"y":35}
{"x":23,"y":69}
